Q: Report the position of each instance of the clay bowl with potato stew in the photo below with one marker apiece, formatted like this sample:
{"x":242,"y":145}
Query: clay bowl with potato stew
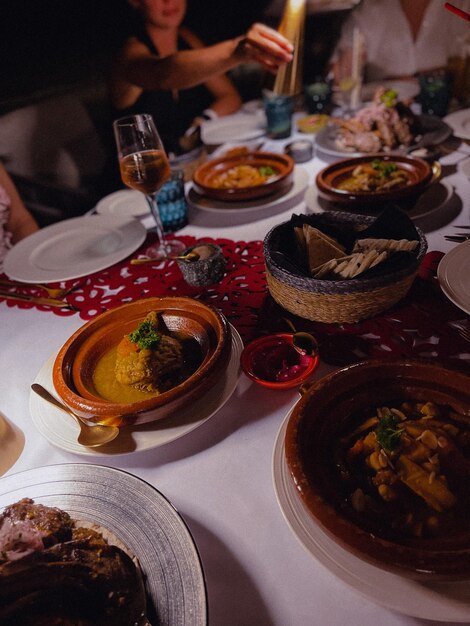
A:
{"x":143,"y":361}
{"x":375,"y":180}
{"x":380,"y":454}
{"x":244,"y":176}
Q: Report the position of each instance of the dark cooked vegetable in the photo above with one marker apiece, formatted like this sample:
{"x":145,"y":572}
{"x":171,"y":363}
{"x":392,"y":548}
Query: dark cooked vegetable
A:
{"x":435,"y":493}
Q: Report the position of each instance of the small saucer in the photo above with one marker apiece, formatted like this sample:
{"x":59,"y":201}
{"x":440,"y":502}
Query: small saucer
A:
{"x":272,"y":361}
{"x":301,"y":150}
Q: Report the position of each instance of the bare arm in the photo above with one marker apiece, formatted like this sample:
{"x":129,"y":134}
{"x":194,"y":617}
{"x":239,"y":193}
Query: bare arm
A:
{"x":226,"y":97}
{"x":20,"y":223}
{"x":187,"y":68}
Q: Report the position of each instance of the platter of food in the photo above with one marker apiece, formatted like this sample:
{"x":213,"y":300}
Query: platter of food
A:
{"x":433,"y":131}
{"x":433,"y":199}
{"x":282,"y":199}
{"x":433,"y":601}
{"x":379,"y":452}
{"x":244,"y":176}
{"x":142,"y":361}
{"x":375,"y":180}
{"x":128,"y":538}
{"x":62,"y":431}
{"x":384,"y":125}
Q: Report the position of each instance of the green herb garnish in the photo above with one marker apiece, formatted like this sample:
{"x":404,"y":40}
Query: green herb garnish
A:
{"x":384,"y":168}
{"x":266,"y":170}
{"x":145,"y":336}
{"x":389,"y":98}
{"x":387,"y":433}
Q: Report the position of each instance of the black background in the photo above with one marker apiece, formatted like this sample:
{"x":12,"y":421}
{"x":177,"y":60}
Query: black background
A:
{"x":52,"y":45}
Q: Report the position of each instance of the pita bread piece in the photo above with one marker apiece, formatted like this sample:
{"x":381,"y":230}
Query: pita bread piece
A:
{"x":320,"y":247}
{"x":350,"y":266}
{"x":395,"y":245}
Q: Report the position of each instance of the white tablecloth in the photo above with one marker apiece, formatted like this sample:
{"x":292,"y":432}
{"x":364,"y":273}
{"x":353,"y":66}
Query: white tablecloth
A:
{"x":219,"y":476}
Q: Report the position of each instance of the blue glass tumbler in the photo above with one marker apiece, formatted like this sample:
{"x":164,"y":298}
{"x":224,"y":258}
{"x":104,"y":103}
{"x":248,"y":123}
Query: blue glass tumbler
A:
{"x":435,"y":93}
{"x":171,"y":200}
{"x":278,"y":109}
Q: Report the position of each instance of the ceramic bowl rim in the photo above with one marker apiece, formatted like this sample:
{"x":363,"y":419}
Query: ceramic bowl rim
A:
{"x":244,"y":193}
{"x":353,"y":198}
{"x":383,"y":553}
{"x":102,"y":407}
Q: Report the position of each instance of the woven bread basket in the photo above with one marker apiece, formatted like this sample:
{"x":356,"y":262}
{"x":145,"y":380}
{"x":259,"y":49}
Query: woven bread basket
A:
{"x":336,"y":301}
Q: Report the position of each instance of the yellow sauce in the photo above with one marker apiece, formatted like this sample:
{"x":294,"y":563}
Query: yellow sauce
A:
{"x":106,"y":385}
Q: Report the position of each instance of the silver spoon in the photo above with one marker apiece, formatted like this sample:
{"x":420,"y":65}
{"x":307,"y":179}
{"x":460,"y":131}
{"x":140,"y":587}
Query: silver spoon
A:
{"x":90,"y":436}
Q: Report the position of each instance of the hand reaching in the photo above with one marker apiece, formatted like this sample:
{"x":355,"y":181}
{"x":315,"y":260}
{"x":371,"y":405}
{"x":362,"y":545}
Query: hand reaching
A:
{"x":266,"y":46}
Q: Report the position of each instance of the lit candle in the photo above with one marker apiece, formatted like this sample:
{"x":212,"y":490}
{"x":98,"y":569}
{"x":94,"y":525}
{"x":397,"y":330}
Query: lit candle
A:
{"x":289,"y":78}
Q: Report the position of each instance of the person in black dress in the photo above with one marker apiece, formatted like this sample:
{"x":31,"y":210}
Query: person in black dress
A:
{"x":164,"y":69}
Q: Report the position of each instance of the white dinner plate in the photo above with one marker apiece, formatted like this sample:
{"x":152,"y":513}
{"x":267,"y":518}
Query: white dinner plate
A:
{"x":464,"y":167}
{"x":127,"y":202}
{"x":240,"y":127}
{"x":73,"y":248}
{"x":459,"y":121}
{"x":61,"y":430}
{"x":297,"y":189}
{"x":252,"y":107}
{"x":140,"y":516}
{"x":453,"y":274}
{"x":433,"y":199}
{"x":435,"y":131}
{"x":433,"y":601}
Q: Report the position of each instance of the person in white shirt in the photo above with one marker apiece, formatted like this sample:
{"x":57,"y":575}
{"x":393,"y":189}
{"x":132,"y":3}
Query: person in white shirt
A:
{"x":402,"y":38}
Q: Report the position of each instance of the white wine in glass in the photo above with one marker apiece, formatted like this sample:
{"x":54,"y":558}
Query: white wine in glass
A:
{"x":144,"y":166}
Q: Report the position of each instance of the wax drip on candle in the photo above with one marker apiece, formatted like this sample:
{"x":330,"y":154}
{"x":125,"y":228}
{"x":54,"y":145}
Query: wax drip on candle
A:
{"x":289,"y":78}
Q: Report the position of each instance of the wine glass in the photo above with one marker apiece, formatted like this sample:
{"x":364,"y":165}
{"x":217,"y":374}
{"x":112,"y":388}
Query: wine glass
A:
{"x":144,"y":166}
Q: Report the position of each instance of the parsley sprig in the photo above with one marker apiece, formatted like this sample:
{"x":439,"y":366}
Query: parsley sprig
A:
{"x":145,"y":336}
{"x":389,"y":98}
{"x":387,"y":433}
{"x":384,"y":168}
{"x":266,"y":170}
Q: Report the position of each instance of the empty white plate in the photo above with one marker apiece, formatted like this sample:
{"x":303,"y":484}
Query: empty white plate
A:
{"x":123,"y":202}
{"x":459,"y":121}
{"x":234,"y":128}
{"x":454,"y":276}
{"x":74,"y":248}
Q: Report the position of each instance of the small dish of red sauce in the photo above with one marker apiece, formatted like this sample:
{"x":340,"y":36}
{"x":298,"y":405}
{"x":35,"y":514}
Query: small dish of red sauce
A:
{"x":273,"y":361}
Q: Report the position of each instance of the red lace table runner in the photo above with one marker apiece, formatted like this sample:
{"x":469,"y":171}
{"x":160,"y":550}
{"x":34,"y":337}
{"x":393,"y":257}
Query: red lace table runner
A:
{"x":423,"y":325}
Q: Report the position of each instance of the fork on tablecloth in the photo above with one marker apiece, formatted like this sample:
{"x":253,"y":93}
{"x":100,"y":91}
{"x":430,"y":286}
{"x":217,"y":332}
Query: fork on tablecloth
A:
{"x":53,"y":292}
{"x":23,"y":297}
